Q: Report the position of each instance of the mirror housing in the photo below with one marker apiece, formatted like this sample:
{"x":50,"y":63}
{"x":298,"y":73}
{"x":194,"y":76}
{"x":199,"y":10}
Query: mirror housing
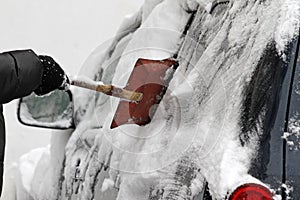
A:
{"x":54,"y":110}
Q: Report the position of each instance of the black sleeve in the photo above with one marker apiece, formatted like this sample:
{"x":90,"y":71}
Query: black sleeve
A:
{"x":20,"y":74}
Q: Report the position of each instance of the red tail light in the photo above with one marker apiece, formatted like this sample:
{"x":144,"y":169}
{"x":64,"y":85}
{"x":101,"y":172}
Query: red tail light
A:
{"x":251,"y":191}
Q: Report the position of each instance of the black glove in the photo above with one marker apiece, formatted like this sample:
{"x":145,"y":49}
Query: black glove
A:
{"x":53,"y":77}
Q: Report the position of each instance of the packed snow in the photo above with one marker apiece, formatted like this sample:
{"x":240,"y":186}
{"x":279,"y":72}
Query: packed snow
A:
{"x":293,"y":136}
{"x":288,"y":190}
{"x":195,"y":131}
{"x":86,"y":81}
{"x":288,"y":23}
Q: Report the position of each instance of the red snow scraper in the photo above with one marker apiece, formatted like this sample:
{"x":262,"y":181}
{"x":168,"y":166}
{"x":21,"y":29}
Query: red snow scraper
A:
{"x":151,"y":78}
{"x":145,"y":88}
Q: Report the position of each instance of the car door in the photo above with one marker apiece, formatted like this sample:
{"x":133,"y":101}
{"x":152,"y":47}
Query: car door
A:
{"x":291,"y":136}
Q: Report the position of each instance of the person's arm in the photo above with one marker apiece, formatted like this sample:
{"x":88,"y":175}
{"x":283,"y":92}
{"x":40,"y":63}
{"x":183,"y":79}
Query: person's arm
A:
{"x":20,"y":74}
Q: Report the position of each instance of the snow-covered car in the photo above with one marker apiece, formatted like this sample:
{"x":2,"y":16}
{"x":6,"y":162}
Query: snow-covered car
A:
{"x":227,"y":127}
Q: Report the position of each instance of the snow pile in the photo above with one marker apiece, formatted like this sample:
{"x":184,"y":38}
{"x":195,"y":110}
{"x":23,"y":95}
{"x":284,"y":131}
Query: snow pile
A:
{"x":33,"y":180}
{"x":38,"y":172}
{"x":107,"y":183}
{"x":293,"y":136}
{"x":288,"y":190}
{"x":28,"y":162}
{"x":86,"y":82}
{"x":288,"y":23}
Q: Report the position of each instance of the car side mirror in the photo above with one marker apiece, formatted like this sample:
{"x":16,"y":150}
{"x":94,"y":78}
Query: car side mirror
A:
{"x":54,"y":110}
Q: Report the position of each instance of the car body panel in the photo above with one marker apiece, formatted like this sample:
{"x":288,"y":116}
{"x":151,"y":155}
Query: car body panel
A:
{"x":292,"y":136}
{"x":268,"y":165}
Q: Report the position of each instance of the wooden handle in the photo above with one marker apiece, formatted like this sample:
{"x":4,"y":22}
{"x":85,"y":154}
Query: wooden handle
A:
{"x":107,"y":89}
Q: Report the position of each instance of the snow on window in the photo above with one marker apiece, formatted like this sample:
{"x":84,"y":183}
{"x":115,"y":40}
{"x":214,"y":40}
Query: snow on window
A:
{"x":288,"y":23}
{"x":293,"y":136}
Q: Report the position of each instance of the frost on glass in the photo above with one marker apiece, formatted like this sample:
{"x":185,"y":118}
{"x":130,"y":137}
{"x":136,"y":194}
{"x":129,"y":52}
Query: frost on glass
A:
{"x":54,"y":110}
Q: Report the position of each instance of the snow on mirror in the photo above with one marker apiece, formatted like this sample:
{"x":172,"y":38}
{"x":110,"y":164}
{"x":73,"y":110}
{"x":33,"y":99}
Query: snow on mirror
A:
{"x":54,"y":110}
